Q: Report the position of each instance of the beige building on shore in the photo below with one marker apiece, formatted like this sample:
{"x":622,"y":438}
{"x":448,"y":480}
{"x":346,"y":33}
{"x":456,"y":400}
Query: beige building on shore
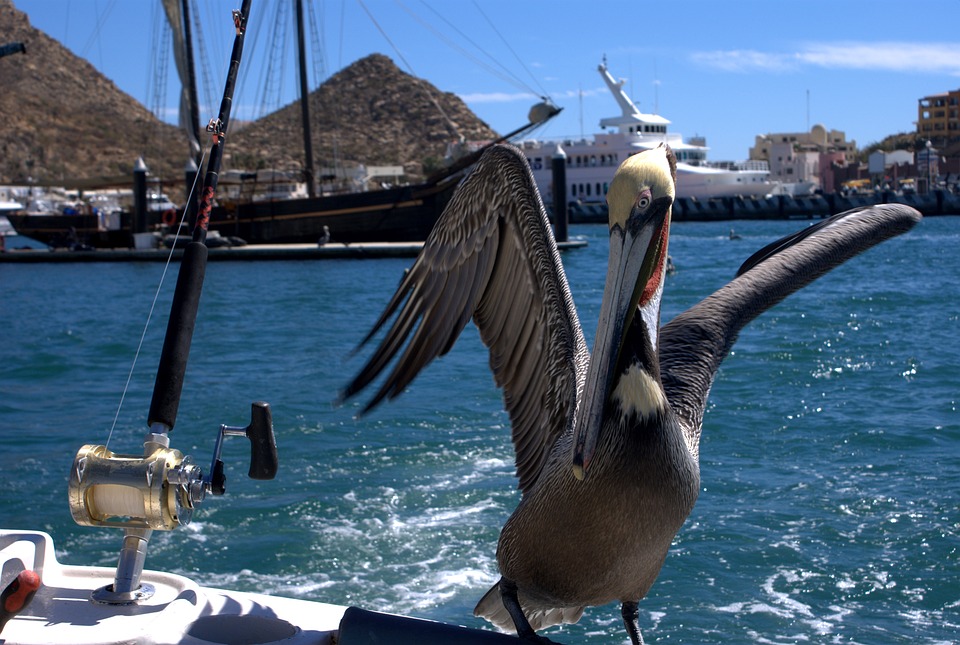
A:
{"x":797,"y":157}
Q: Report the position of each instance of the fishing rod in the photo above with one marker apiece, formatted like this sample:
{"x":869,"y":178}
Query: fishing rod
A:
{"x":161,"y":488}
{"x":186,"y":299}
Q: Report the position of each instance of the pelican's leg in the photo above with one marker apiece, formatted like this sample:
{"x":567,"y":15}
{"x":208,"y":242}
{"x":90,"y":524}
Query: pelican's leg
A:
{"x":508,"y":594}
{"x":631,"y":614}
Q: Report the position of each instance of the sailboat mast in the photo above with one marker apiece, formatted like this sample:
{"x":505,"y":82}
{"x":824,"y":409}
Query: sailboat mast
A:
{"x":305,"y":105}
{"x":191,"y":78}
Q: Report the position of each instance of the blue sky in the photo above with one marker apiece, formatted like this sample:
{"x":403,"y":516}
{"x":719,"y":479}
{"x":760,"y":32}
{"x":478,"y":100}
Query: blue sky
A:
{"x":726,"y":70}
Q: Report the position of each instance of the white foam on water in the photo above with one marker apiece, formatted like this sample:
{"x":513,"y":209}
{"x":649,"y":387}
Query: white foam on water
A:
{"x":436,"y":586}
{"x":493,"y":464}
{"x":297,"y":586}
{"x":452,"y":516}
{"x":782,"y":599}
{"x":781,"y":590}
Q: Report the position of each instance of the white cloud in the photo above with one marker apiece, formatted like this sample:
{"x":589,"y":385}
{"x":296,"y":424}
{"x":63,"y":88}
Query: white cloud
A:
{"x":572,"y":94}
{"x":931,"y":58}
{"x":495,"y":97}
{"x":745,"y":60}
{"x":508,"y":97}
{"x":918,"y":58}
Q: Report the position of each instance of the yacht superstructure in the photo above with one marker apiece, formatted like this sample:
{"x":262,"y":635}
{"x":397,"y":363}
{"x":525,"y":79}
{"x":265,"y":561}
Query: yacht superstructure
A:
{"x":592,"y":162}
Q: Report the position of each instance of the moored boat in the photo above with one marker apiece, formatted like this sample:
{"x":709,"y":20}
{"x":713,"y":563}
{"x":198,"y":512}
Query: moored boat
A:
{"x":87,"y":223}
{"x":403,"y":214}
{"x":592,"y":162}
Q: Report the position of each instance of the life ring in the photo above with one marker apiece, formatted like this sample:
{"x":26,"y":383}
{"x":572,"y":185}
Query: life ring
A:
{"x":169,"y":217}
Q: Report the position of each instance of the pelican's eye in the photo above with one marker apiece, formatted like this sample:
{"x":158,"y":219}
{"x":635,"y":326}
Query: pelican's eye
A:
{"x":643,"y":201}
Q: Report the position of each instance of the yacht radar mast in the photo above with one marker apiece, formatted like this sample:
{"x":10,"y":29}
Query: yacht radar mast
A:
{"x":631,"y":118}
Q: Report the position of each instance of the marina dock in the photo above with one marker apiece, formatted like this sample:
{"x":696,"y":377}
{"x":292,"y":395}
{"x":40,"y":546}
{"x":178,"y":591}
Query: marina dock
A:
{"x":366,"y":251}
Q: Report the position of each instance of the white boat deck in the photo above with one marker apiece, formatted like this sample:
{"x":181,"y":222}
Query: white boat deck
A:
{"x":180,"y":611}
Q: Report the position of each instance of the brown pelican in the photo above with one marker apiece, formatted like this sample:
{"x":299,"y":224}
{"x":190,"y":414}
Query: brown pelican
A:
{"x":607,"y":449}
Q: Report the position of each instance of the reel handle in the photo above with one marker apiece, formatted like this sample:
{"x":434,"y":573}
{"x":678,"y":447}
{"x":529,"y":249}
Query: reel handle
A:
{"x":263,"y":443}
{"x":263,"y":448}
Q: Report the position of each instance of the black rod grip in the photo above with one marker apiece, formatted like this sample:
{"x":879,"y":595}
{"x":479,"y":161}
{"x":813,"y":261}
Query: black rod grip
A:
{"x":176,"y":344}
{"x":263,"y":444}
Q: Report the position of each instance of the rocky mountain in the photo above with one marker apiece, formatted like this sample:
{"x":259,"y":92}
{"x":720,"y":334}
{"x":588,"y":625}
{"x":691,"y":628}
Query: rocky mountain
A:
{"x":63,"y":120}
{"x":370,"y":112}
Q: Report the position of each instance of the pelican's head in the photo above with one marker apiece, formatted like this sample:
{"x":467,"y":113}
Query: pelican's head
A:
{"x":640,"y":202}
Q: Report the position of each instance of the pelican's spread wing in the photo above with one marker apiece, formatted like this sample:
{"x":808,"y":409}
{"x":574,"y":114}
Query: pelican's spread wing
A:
{"x":492,"y":257}
{"x":693,"y":344}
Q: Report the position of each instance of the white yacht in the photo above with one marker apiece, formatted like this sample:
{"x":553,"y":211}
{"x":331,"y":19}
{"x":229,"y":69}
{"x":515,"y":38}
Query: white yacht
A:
{"x":592,"y":162}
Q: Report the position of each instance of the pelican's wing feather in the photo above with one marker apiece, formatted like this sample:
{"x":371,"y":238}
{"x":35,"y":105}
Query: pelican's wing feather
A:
{"x":491,"y":257}
{"x":693,"y":344}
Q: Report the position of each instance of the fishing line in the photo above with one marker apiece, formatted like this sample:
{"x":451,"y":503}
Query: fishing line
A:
{"x":153,"y":305}
{"x":509,"y":48}
{"x":420,"y":82}
{"x":503,"y":73}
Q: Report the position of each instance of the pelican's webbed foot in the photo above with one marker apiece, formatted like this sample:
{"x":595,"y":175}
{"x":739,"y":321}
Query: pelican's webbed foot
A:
{"x":631,"y":615}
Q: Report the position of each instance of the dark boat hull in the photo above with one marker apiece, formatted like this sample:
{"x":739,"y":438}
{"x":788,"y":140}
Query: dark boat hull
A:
{"x":405,"y":214}
{"x":68,"y":230}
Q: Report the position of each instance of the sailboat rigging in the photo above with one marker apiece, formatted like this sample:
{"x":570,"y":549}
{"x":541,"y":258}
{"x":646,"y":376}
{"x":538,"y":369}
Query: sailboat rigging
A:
{"x":247,"y":213}
{"x":395,"y":214}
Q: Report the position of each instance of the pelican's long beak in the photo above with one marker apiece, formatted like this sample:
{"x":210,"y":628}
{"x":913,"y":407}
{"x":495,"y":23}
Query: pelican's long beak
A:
{"x":638,"y":247}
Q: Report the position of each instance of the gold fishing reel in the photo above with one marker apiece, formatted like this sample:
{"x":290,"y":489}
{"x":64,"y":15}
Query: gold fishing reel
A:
{"x":161,"y":488}
{"x":157,"y":491}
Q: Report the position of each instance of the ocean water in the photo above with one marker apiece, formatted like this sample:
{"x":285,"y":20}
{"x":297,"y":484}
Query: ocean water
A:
{"x":830,"y":459}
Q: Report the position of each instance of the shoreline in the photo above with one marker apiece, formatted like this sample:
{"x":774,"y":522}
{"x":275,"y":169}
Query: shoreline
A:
{"x":691,"y":209}
{"x":249,"y":252}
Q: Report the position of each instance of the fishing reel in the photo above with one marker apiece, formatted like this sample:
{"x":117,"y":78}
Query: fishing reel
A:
{"x":160,"y":489}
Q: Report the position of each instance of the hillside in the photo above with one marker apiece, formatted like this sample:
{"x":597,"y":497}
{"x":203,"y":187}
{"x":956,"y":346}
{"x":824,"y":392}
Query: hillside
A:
{"x":900,"y":141}
{"x":374,"y":113}
{"x":63,"y":120}
{"x":909,"y":141}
